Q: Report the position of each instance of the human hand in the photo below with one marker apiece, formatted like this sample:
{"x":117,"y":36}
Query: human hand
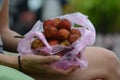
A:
{"x":37,"y":64}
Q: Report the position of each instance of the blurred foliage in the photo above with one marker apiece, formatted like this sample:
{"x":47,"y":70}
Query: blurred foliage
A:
{"x":104,"y":14}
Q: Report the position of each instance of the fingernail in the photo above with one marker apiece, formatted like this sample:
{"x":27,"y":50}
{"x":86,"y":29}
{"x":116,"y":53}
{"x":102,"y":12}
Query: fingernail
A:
{"x":57,"y":57}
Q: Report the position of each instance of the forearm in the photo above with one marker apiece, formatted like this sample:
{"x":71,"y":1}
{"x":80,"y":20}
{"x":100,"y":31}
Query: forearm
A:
{"x":4,"y":14}
{"x":10,"y":61}
{"x":9,"y":41}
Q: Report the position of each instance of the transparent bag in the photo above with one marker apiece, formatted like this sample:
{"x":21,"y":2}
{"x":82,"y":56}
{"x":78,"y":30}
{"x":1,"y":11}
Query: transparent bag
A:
{"x":74,"y":54}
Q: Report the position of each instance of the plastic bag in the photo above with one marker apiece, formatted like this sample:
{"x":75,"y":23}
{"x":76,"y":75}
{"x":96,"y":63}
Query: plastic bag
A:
{"x":74,"y":54}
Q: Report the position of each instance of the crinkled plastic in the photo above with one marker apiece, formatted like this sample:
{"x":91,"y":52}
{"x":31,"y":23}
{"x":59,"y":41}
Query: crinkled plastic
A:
{"x":74,"y":54}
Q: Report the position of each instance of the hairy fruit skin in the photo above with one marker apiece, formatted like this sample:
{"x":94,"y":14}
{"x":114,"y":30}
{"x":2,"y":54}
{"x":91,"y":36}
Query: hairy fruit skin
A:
{"x":63,"y":34}
{"x":37,"y":43}
{"x":57,"y":22}
{"x":75,"y":31}
{"x":74,"y":35}
{"x":73,"y":38}
{"x":50,"y":32}
{"x":57,"y":32}
{"x":65,"y":24}
{"x":53,"y":42}
{"x":48,"y":23}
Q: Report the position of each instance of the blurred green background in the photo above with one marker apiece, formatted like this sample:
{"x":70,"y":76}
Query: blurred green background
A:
{"x":104,"y":14}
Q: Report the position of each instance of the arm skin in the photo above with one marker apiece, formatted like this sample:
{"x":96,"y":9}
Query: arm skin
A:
{"x":8,"y":60}
{"x":103,"y":65}
{"x":39,"y":63}
{"x":10,"y":43}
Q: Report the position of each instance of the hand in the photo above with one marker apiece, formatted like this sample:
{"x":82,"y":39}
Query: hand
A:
{"x":37,"y":64}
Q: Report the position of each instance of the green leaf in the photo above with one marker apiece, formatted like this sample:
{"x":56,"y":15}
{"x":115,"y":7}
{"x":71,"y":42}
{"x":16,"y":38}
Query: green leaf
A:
{"x":77,"y":25}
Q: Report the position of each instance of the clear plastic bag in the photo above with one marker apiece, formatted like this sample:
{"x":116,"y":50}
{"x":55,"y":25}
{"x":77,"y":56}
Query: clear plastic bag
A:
{"x":74,"y":54}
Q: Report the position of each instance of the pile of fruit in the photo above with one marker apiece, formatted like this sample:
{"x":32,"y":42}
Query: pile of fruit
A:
{"x":57,"y":32}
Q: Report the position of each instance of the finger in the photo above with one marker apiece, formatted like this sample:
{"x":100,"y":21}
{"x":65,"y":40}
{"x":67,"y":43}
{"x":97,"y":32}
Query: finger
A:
{"x":49,"y":59}
{"x":70,"y":70}
{"x":65,"y":72}
{"x":43,"y":53}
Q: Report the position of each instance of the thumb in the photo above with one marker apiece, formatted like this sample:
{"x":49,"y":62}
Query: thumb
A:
{"x":49,"y":59}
